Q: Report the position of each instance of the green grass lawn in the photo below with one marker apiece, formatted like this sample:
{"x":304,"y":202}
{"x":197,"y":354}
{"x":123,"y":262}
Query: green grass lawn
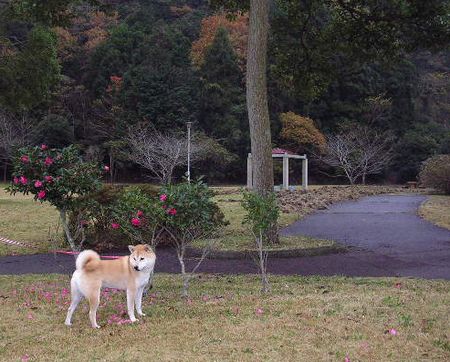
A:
{"x":23,"y":219}
{"x":237,"y":236}
{"x":437,"y":210}
{"x":226,"y":319}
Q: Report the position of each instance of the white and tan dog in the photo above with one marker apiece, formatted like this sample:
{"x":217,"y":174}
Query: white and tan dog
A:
{"x":131,"y":273}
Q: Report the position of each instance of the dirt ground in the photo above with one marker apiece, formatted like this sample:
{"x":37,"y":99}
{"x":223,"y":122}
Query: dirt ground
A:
{"x":321,"y":197}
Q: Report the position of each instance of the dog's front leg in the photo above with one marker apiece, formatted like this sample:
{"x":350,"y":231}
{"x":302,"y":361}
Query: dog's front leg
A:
{"x":131,"y":295}
{"x":138,"y":301}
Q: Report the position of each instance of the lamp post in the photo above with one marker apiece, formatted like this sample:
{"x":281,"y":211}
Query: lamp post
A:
{"x":188,"y":173}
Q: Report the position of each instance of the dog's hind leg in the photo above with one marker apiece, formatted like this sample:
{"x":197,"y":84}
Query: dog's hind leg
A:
{"x":76,"y":297}
{"x":94,"y":301}
{"x":138,"y":301}
{"x":131,"y":295}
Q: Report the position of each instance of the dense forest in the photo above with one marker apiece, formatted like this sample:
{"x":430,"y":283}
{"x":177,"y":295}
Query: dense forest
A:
{"x":86,"y":74}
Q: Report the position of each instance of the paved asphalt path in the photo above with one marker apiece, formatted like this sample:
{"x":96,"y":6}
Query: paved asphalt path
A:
{"x":386,"y":237}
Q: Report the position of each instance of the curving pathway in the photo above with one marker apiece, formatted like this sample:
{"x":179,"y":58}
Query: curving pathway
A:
{"x":384,"y":233}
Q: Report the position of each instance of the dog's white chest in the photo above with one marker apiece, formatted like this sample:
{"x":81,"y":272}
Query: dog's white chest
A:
{"x":142,"y":280}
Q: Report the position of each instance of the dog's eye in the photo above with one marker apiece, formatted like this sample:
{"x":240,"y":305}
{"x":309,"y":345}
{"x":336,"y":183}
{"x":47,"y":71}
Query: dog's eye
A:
{"x":142,"y":258}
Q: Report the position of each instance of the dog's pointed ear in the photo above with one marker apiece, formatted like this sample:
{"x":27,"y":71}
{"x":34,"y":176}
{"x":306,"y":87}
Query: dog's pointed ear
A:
{"x":131,"y":248}
{"x":147,"y":247}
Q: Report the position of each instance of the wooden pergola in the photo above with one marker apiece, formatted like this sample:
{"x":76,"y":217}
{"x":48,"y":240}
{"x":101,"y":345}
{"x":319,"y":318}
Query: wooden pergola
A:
{"x":285,"y":155}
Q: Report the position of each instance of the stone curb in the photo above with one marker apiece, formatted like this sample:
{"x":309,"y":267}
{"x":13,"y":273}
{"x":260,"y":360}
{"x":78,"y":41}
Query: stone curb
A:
{"x":249,"y":254}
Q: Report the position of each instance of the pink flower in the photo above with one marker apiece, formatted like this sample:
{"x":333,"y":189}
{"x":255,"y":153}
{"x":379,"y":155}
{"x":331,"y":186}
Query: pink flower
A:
{"x":106,"y":168}
{"x":30,"y":316}
{"x":259,"y":311}
{"x":346,"y":359}
{"x":172,"y":211}
{"x":398,"y":285}
{"x":41,"y":194}
{"x":25,"y":159}
{"x":23,"y":180}
{"x":37,"y":184}
{"x":48,"y":161}
{"x":135,"y":221}
{"x":164,"y":206}
{"x":48,"y":178}
{"x":163,"y":197}
{"x":44,"y":147}
{"x":393,"y":332}
{"x":25,"y":358}
{"x":140,"y":213}
{"x":16,"y":181}
{"x":115,"y":225}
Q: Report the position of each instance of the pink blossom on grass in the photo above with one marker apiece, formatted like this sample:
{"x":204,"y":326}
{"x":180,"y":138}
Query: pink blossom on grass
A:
{"x":393,"y":332}
{"x":398,"y":285}
{"x":41,"y":195}
{"x":259,"y":311}
{"x":205,"y":298}
{"x":115,"y":225}
{"x":48,"y":161}
{"x":163,"y":197}
{"x":30,"y":316}
{"x":135,"y":221}
{"x":38,"y":184}
{"x":25,"y":358}
{"x":25,"y":159}
{"x":346,"y":359}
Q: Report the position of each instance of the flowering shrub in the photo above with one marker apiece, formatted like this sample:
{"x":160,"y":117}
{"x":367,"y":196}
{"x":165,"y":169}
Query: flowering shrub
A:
{"x":59,"y":177}
{"x":139,"y":216}
{"x":190,"y":211}
{"x":190,"y":214}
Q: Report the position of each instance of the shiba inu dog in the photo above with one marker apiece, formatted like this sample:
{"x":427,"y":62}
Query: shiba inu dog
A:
{"x":131,"y":273}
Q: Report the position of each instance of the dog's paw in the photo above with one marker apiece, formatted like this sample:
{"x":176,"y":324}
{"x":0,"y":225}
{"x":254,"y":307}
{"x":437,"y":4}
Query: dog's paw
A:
{"x":141,"y":314}
{"x":68,"y":324}
{"x":96,"y":327}
{"x":134,"y":320}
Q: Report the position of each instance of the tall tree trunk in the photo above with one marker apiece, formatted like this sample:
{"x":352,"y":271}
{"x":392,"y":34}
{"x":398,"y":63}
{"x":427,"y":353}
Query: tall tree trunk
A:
{"x":5,"y":171}
{"x":257,"y":106}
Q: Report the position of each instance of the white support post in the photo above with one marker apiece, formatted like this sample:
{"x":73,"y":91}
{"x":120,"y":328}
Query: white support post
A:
{"x":305,"y":173}
{"x":285,"y":171}
{"x":249,"y":172}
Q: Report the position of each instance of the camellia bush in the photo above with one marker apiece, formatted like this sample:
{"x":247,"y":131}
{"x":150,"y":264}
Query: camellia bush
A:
{"x":435,"y":173}
{"x":190,"y":214}
{"x":139,"y":215}
{"x":262,"y":216}
{"x":57,"y":176}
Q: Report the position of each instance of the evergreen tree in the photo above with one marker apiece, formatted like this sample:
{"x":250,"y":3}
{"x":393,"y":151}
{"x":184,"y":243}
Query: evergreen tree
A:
{"x":222,"y":96}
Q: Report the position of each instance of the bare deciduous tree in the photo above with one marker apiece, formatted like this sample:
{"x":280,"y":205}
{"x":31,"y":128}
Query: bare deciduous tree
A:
{"x":14,"y":133}
{"x":161,"y":153}
{"x":358,"y":152}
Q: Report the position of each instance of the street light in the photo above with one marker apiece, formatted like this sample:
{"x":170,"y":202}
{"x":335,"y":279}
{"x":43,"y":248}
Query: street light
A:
{"x":188,"y":173}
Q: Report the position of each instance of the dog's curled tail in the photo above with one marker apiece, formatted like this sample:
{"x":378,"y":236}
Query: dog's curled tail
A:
{"x":85,"y":257}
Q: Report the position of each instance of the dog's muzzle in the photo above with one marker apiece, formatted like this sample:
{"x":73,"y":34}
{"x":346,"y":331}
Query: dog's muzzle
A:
{"x":136,"y":268}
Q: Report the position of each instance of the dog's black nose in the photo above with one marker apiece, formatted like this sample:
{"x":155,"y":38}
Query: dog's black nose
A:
{"x":136,"y":268}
